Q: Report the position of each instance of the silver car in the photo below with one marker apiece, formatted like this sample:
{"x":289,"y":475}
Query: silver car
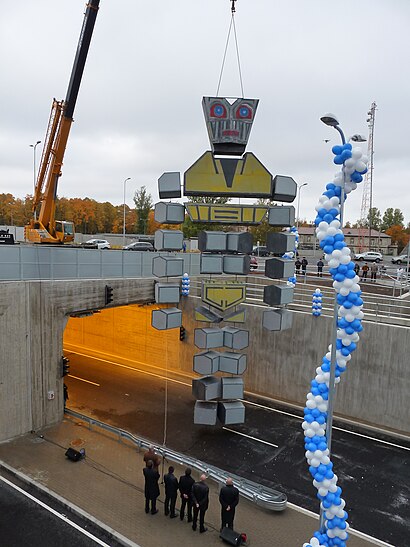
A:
{"x":369,"y":256}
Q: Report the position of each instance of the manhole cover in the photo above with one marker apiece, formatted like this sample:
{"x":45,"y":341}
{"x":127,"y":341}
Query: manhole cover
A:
{"x":77,"y":442}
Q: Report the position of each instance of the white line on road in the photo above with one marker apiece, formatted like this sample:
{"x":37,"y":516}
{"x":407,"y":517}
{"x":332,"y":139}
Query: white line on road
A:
{"x":334,"y":427}
{"x":84,"y":380}
{"x":133,"y":368}
{"x":56,"y":513}
{"x":244,"y":401}
{"x":250,"y":437}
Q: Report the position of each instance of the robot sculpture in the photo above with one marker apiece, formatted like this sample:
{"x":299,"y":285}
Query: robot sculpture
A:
{"x":224,"y":171}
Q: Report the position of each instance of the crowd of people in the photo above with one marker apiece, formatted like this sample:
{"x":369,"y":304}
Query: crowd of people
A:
{"x":374,"y":269}
{"x":194,"y":495}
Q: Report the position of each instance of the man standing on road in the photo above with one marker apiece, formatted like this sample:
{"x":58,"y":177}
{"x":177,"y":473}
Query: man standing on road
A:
{"x":373,"y":272}
{"x":229,"y":499}
{"x":151,"y":455}
{"x":185,"y":487}
{"x":304,"y":265}
{"x":298,"y":264}
{"x":151,"y":490}
{"x":171,"y":492}
{"x":200,"y":499}
{"x":320,"y":265}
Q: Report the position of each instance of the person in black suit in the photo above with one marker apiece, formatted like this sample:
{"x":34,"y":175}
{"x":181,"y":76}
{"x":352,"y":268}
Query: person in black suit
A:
{"x":185,"y":487}
{"x":200,"y":500}
{"x":229,"y":499}
{"x":151,"y":487}
{"x":171,"y":492}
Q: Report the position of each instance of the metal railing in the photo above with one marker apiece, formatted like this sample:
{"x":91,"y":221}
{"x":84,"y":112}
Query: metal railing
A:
{"x":377,"y":307}
{"x":260,"y":495}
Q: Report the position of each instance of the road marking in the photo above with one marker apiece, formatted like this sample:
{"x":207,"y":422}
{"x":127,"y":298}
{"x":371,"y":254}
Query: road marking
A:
{"x":334,"y":427}
{"x":243,"y":400}
{"x":250,"y":437}
{"x":83,"y":380}
{"x":134,"y":369}
{"x":352,"y":531}
{"x":55,"y":513}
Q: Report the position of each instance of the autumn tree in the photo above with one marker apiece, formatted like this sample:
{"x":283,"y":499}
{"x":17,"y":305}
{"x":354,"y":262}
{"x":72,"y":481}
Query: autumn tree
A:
{"x":398,"y":236}
{"x":391,"y":217}
{"x":143,"y":205}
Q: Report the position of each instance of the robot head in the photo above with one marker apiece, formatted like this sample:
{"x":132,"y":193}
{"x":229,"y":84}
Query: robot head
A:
{"x":229,"y":125}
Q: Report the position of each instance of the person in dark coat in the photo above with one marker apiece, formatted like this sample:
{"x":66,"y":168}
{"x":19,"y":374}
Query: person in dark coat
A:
{"x":171,"y":492}
{"x":229,"y":499}
{"x":151,"y":455}
{"x":151,"y":490}
{"x":320,"y":265}
{"x":298,"y":264}
{"x":185,"y":487}
{"x":304,"y":265}
{"x":200,"y":500}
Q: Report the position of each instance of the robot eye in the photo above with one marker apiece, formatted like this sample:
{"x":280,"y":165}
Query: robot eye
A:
{"x":244,"y":112}
{"x":218,"y":111}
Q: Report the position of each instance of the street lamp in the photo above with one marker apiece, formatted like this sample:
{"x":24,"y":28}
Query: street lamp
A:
{"x":300,"y":186}
{"x":34,"y":146}
{"x":123,"y":224}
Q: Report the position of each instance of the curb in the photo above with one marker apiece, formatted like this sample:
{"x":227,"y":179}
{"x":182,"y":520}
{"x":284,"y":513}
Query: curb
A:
{"x":113,"y":534}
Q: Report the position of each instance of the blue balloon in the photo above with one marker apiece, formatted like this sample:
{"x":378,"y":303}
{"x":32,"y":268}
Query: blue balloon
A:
{"x":337,"y":149}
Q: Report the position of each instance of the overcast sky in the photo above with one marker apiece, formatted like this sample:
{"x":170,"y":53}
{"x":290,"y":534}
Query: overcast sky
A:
{"x":150,"y":63}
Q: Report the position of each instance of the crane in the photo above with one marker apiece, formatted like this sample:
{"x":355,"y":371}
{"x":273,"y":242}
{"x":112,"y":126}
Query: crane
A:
{"x":45,"y":228}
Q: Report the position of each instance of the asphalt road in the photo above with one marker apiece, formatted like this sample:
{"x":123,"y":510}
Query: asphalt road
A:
{"x":268,"y":448}
{"x":25,"y":520}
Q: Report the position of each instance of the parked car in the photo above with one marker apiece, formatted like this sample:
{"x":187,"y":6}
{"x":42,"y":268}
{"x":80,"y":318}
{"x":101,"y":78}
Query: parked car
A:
{"x":399,"y":259}
{"x":139,"y":246}
{"x":260,"y":251}
{"x":96,"y":244}
{"x":254,"y":263}
{"x":369,"y":256}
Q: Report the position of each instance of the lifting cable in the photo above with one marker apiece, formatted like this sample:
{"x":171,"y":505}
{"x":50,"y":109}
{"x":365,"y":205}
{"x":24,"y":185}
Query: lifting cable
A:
{"x":232,"y":25}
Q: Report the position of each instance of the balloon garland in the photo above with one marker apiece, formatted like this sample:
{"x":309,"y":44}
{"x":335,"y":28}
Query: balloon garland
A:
{"x":350,"y":315}
{"x":185,"y":285}
{"x":317,"y":303}
{"x":291,"y":282}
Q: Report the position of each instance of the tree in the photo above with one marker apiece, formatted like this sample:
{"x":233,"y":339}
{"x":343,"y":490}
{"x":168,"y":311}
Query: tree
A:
{"x":392,"y":217}
{"x":143,"y":205}
{"x":398,"y":235}
{"x":261,"y":231}
{"x":374,"y":217}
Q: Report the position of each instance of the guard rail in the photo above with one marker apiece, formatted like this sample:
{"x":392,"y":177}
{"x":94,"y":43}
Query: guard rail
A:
{"x":260,"y":495}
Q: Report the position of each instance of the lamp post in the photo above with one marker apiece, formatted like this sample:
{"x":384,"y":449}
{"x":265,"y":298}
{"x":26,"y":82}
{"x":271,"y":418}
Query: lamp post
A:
{"x":300,"y":186}
{"x":123,"y":224}
{"x":34,"y":146}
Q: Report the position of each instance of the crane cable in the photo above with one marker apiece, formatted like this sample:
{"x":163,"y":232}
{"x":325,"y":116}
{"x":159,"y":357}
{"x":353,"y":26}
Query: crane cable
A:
{"x":232,"y":25}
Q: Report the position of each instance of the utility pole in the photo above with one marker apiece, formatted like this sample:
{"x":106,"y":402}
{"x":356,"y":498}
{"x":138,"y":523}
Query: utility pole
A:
{"x":367,"y":199}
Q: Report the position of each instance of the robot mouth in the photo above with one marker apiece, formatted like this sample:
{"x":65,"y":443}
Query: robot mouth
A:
{"x":230,"y":133}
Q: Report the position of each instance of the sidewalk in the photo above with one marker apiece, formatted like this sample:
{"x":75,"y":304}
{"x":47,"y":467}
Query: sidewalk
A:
{"x":108,"y":485}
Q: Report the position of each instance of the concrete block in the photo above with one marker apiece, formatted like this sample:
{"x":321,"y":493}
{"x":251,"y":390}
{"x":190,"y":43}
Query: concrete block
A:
{"x":205,"y":413}
{"x":237,"y":264}
{"x":166,"y":318}
{"x":233,"y":363}
{"x":166,"y":293}
{"x":212,"y":242}
{"x":231,"y":388}
{"x":206,"y":388}
{"x":280,"y":242}
{"x":168,"y":240}
{"x":231,"y":412}
{"x":278,"y":268}
{"x":211,"y":264}
{"x":239,"y":242}
{"x":209,"y":338}
{"x":169,"y":185}
{"x":277,"y":320}
{"x":284,"y":189}
{"x":276,"y":295}
{"x":281,"y":215}
{"x":169,"y":213}
{"x":167,"y":266}
{"x":235,"y":338}
{"x":206,"y":362}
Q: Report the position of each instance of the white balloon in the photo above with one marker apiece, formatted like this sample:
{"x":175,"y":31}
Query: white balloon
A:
{"x":356,"y":153}
{"x":332,"y":231}
{"x":350,"y":162}
{"x":344,"y":291}
{"x":345,"y":259}
{"x":323,"y":226}
{"x":360,"y":166}
{"x":334,"y":263}
{"x":336,"y":254}
{"x":335,"y":223}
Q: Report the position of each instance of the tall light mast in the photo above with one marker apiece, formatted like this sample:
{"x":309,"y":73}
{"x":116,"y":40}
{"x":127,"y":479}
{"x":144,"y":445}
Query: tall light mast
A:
{"x":367,"y":199}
